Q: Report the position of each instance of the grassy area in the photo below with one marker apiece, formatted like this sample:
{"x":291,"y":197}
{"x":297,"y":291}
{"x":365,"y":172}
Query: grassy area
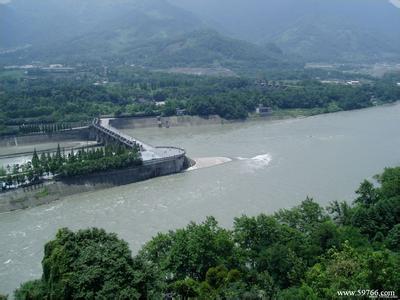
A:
{"x":302,"y":112}
{"x":295,"y":113}
{"x":43,"y":193}
{"x":11,"y":74}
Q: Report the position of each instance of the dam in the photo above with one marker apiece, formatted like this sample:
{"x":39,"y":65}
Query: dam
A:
{"x":105,"y":133}
{"x":156,"y":161}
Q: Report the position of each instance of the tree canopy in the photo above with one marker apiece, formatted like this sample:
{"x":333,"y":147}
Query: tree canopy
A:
{"x":307,"y":252}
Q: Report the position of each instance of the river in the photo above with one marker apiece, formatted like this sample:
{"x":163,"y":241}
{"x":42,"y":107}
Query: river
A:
{"x":275,"y":164}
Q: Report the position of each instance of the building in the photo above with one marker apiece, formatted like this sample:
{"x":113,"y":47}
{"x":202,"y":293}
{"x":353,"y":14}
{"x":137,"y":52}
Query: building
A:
{"x":181,"y":112}
{"x":353,"y":82}
{"x":263,"y":111}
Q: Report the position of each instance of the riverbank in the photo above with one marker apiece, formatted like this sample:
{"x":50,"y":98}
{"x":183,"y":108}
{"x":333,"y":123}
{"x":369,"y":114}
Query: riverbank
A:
{"x":189,"y":121}
{"x":53,"y":190}
{"x":14,"y":201}
{"x":323,"y":157}
{"x":166,"y":122}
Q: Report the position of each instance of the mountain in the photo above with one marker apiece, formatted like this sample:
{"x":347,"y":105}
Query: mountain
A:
{"x":209,"y":48}
{"x":318,"y":30}
{"x":151,"y":33}
{"x":50,"y":21}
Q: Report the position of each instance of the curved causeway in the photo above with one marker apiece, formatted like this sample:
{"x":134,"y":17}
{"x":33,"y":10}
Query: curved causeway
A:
{"x":148,"y":152}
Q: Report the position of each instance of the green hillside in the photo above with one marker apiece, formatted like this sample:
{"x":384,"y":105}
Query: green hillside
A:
{"x":152,"y":33}
{"x":317,"y":30}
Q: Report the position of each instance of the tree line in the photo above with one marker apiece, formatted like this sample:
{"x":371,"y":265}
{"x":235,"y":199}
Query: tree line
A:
{"x":136,"y":92}
{"x":306,"y":252}
{"x":43,"y":128}
{"x":83,"y":162}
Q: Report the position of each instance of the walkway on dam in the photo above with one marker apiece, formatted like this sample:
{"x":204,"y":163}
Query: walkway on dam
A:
{"x":148,"y":152}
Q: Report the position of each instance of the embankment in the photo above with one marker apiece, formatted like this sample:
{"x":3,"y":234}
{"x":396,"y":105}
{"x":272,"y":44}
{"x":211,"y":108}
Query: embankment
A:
{"x":80,"y":134}
{"x":130,"y":123}
{"x":55,"y":190}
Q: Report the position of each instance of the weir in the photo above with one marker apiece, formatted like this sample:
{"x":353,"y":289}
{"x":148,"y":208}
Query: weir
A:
{"x":105,"y":133}
{"x":157,"y":161}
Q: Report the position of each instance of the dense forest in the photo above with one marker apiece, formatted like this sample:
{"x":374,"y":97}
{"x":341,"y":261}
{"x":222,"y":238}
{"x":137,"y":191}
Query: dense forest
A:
{"x":306,"y":252}
{"x":49,"y":102}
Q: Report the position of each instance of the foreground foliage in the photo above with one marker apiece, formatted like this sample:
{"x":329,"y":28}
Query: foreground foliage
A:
{"x":307,"y":252}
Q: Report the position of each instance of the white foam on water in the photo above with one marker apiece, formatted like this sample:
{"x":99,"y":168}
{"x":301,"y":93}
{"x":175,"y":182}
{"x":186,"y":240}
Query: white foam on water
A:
{"x":258,"y":162}
{"x":264,"y":158}
{"x":51,"y":208}
{"x":7,"y":262}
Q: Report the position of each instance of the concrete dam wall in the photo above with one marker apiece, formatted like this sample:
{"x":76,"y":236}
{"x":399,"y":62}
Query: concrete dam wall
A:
{"x":81,"y":134}
{"x":157,"y":161}
{"x":48,"y":192}
{"x":129,"y":123}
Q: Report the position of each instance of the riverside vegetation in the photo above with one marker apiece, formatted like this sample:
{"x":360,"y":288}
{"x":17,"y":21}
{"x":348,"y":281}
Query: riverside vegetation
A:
{"x":73,"y":164}
{"x":306,"y":252}
{"x":50,"y":103}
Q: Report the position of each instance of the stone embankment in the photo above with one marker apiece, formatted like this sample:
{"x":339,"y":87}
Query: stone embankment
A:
{"x":165,"y":122}
{"x":78,"y":134}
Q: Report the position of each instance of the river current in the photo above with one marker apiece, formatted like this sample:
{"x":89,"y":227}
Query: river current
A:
{"x":275,"y":164}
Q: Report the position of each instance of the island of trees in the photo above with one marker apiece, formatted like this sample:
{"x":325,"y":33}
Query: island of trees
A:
{"x":306,"y":252}
{"x":60,"y":164}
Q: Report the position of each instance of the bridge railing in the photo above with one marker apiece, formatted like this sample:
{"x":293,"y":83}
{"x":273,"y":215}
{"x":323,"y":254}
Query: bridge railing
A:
{"x":125,"y":139}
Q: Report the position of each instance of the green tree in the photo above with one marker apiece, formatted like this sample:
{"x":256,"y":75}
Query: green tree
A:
{"x":31,"y":290}
{"x":390,"y":183}
{"x":88,"y":264}
{"x":342,"y":270}
{"x":305,"y":217}
{"x":186,"y":289}
{"x":341,"y":212}
{"x":349,"y":269}
{"x":192,"y":251}
{"x":393,"y":238}
{"x":367,"y":194}
{"x":35,"y":160}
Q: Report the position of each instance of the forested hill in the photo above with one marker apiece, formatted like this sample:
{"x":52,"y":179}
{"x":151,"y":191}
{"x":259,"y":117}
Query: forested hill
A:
{"x":45,"y":22}
{"x":166,"y":32}
{"x":317,"y":30}
{"x":147,"y":33}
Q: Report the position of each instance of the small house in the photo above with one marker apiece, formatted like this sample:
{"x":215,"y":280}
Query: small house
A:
{"x":263,"y":110}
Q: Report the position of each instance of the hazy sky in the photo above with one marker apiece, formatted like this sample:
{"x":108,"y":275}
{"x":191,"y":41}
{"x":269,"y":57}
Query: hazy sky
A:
{"x":396,"y":2}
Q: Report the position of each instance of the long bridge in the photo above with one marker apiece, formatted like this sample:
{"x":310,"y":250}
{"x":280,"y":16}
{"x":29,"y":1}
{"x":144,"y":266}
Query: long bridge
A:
{"x":105,"y":133}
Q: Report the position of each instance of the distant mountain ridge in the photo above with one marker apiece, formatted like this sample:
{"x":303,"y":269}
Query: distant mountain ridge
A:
{"x":251,"y":34}
{"x":322,"y":30}
{"x":45,"y":21}
{"x":145,"y":32}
